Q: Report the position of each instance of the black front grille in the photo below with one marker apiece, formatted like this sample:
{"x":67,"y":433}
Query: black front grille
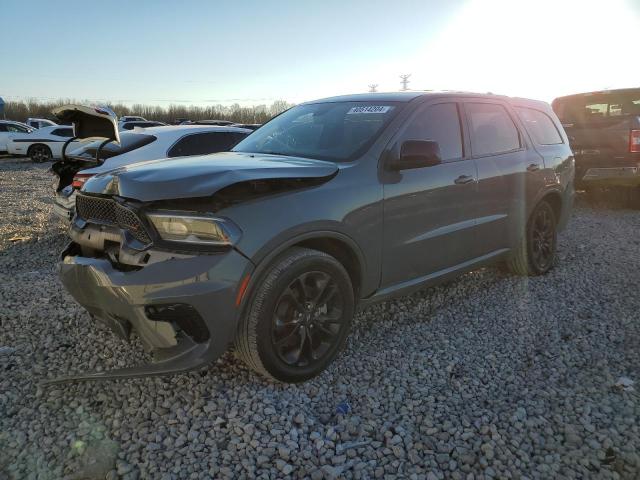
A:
{"x":106,"y":210}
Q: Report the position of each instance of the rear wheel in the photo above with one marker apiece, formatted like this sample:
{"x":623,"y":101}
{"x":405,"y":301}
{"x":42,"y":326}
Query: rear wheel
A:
{"x":537,"y":251}
{"x":39,"y":153}
{"x":298,"y":318}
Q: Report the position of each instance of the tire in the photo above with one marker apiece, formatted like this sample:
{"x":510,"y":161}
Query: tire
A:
{"x":39,"y":153}
{"x":298,"y":318}
{"x":537,"y":251}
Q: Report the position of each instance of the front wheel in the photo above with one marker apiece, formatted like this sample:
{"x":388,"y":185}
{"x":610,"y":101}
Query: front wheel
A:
{"x":298,"y":318}
{"x":39,"y":153}
{"x":537,"y":251}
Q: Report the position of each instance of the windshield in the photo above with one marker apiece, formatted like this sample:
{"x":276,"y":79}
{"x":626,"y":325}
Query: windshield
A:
{"x":128,"y":142}
{"x":336,"y":131}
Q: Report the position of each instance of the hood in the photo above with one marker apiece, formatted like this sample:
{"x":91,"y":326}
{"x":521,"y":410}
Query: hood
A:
{"x":191,"y":177}
{"x":90,"y":121}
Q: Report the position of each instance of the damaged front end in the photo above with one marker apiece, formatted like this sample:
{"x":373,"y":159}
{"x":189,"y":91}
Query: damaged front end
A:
{"x":169,"y":270}
{"x":181,"y":304}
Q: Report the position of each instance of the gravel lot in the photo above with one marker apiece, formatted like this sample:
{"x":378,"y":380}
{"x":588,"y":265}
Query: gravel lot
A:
{"x":488,"y":376}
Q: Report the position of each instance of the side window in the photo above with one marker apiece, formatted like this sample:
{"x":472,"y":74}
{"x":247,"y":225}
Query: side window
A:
{"x":492,"y":130}
{"x":439,"y":123}
{"x":5,"y":128}
{"x":62,"y":132}
{"x":541,"y":127}
{"x":203,"y":143}
{"x":14,"y":128}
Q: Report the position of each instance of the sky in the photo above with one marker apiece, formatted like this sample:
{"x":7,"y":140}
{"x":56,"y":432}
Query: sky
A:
{"x":203,"y":52}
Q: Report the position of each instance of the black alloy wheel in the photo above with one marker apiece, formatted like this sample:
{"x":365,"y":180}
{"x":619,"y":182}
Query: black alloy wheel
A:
{"x":307,"y":319}
{"x":40,"y":153}
{"x":297,"y":317}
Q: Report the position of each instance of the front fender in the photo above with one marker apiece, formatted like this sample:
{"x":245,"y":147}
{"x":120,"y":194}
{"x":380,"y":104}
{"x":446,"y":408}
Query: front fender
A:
{"x":282,"y":242}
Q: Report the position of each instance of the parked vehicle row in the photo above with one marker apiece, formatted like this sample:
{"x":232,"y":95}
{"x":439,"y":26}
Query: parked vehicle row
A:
{"x":331,"y":206}
{"x":92,"y":156}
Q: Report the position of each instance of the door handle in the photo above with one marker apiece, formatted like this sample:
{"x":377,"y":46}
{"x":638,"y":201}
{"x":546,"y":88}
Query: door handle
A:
{"x":463,"y":179}
{"x":534,"y":167}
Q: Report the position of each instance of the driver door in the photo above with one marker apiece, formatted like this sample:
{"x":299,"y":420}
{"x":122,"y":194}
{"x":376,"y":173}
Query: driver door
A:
{"x":430,"y":212}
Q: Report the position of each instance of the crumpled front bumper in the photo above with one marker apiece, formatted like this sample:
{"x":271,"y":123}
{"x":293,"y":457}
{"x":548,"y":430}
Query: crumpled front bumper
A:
{"x":206,"y":284}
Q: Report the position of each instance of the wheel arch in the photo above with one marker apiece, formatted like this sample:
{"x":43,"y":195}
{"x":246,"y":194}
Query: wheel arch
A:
{"x":38,"y":144}
{"x":553,"y":198}
{"x":339,"y":245}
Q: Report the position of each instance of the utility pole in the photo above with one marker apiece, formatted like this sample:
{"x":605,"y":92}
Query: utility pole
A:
{"x":373,"y":88}
{"x":404,"y":81}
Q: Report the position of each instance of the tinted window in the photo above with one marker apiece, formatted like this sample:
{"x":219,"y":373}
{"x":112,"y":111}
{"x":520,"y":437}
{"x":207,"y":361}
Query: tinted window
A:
{"x":204,"y":143}
{"x":592,"y":108}
{"x":3,"y":127}
{"x":492,"y":130}
{"x":328,"y":131}
{"x":128,"y":141}
{"x":439,"y":123}
{"x":15,"y":128}
{"x":540,"y":126}
{"x":62,"y":132}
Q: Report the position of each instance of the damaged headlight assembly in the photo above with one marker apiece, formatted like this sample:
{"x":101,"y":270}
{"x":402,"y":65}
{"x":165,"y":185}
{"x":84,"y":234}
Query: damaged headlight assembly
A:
{"x":194,"y":229}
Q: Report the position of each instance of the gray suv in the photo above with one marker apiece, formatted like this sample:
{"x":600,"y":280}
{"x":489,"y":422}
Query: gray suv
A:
{"x":332,"y":205}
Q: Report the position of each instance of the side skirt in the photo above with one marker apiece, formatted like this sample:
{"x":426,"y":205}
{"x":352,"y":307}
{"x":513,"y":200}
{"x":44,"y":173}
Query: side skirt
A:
{"x":410,"y":286}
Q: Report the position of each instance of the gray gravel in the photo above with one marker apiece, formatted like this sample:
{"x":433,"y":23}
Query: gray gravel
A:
{"x":488,"y":376}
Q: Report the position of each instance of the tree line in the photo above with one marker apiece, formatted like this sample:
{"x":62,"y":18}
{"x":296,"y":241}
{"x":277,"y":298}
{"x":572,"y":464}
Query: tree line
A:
{"x":21,"y":110}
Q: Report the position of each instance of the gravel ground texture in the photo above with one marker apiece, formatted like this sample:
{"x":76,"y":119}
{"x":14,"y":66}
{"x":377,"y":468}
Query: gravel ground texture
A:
{"x":489,"y":376}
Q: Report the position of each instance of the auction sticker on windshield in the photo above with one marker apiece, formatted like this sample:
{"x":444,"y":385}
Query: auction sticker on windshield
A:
{"x":370,"y":109}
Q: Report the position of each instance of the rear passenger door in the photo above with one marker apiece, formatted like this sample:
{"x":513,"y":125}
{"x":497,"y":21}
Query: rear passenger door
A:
{"x":429,"y":213}
{"x":499,"y":148}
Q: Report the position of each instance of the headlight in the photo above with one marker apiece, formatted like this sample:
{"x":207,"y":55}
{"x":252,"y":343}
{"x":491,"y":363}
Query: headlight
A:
{"x":194,"y":229}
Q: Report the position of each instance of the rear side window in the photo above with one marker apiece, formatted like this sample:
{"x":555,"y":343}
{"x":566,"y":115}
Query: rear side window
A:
{"x":204,"y":143}
{"x":541,"y":127}
{"x":129,"y":141}
{"x":3,"y":128}
{"x":596,"y":107}
{"x":62,"y":132}
{"x":492,"y":130}
{"x":439,"y":123}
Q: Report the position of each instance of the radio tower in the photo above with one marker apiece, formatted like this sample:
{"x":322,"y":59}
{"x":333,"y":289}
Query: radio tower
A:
{"x":373,"y":88}
{"x":404,"y":81}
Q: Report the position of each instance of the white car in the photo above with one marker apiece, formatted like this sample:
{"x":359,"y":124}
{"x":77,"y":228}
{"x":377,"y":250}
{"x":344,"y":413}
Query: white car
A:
{"x":7,"y":129}
{"x":110,"y":149}
{"x":42,"y":144}
{"x":40,"y":122}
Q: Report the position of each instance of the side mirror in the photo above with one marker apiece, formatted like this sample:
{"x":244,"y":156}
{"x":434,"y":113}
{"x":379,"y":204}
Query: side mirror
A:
{"x":417,"y":154}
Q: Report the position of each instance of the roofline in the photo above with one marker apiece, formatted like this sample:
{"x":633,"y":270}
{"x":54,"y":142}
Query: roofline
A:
{"x":603,"y":92}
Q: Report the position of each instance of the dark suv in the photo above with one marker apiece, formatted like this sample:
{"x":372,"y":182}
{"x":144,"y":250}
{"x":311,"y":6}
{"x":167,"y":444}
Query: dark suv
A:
{"x":332,"y":205}
{"x":604,"y":131}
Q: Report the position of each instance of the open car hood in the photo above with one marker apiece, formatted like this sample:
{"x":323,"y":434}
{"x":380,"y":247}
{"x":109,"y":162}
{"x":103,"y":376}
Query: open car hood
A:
{"x":202,"y":176}
{"x":90,"y":121}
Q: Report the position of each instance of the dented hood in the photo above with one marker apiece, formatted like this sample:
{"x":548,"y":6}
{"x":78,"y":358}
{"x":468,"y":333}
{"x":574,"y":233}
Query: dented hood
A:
{"x":90,"y":121}
{"x":191,"y":177}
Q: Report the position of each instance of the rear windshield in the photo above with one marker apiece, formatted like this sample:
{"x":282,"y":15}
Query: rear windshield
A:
{"x":594,"y":107}
{"x":337,"y":131}
{"x":128,"y":142}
